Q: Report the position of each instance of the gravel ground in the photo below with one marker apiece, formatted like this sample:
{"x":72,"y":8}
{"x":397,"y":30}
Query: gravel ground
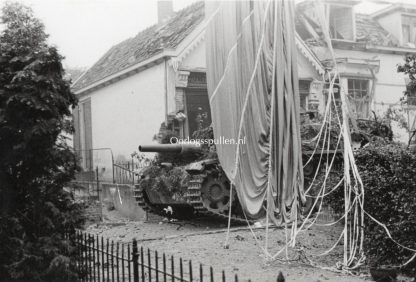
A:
{"x":203,"y":242}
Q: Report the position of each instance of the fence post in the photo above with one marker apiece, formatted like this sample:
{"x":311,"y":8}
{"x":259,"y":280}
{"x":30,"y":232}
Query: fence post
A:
{"x":98,"y":193}
{"x":97,"y":180}
{"x":114,"y":177}
{"x":135,"y":258}
{"x":132,"y":170}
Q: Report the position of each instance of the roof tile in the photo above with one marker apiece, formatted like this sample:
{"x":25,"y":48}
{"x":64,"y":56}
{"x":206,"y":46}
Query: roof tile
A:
{"x":368,"y":30}
{"x":146,"y":44}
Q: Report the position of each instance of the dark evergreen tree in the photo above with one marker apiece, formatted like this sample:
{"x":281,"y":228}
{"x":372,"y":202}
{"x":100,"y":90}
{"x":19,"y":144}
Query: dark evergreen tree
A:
{"x":35,"y":160}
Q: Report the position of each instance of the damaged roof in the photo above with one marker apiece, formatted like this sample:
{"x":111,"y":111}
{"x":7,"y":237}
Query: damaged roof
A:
{"x":368,"y":30}
{"x":144,"y":45}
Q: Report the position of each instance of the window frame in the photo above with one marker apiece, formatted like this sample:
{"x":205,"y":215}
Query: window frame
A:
{"x":334,"y":25}
{"x":410,"y":22}
{"x":304,"y":93}
{"x":353,"y":99}
{"x":409,"y":32}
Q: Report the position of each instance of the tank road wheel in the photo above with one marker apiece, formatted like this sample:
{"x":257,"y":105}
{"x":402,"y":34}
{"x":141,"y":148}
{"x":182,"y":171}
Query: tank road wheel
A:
{"x":215,"y":194}
{"x":209,"y":194}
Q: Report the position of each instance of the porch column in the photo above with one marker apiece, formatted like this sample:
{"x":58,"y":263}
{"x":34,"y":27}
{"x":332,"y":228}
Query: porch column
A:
{"x":180,"y":84}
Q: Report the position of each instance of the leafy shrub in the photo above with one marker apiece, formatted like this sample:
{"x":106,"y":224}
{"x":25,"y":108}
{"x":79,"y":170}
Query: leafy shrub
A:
{"x":167,"y":181}
{"x":388,"y":174}
{"x":408,"y":68}
{"x":208,"y":151}
{"x":35,"y":161}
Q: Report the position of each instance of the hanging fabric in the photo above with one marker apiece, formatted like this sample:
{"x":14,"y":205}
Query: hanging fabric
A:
{"x":253,"y":90}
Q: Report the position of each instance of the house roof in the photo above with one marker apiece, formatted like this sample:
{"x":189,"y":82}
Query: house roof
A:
{"x":368,"y":30}
{"x":401,"y":7}
{"x":73,"y":73}
{"x":143,"y":46}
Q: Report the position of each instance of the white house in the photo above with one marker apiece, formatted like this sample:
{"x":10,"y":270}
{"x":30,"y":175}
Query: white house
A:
{"x":155,"y":81}
{"x":367,"y":48}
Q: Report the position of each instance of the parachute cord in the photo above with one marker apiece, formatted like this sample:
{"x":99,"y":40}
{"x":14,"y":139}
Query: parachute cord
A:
{"x":227,"y":237}
{"x":265,"y":252}
{"x":267,"y":216}
{"x":119,"y":196}
{"x":271,"y":133}
{"x":287,"y":243}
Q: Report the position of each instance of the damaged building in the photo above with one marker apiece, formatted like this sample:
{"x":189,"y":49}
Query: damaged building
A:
{"x":156,"y":80}
{"x":367,"y":50}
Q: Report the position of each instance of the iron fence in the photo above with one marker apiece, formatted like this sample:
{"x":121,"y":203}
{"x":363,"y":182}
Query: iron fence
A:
{"x":99,"y":259}
{"x":126,"y":172}
{"x":101,"y":163}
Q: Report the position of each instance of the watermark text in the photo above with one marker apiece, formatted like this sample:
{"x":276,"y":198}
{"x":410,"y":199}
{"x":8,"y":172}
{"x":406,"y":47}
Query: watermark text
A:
{"x":217,"y":141}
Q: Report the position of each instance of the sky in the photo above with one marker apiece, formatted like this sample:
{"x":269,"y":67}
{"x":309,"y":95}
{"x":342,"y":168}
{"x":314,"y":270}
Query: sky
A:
{"x":83,"y":30}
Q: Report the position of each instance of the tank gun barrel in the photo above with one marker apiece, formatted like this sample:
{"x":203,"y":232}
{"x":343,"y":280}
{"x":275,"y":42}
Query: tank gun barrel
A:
{"x":170,"y":148}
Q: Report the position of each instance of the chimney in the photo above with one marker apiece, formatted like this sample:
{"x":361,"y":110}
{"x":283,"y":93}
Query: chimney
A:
{"x":164,"y":10}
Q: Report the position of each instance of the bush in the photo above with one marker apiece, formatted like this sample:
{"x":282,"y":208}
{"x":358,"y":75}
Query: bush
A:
{"x":35,"y":161}
{"x":388,"y":174}
{"x":171,"y":182}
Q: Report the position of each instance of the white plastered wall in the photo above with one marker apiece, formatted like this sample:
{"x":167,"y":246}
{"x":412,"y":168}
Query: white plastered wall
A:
{"x":196,"y":59}
{"x":129,"y":112}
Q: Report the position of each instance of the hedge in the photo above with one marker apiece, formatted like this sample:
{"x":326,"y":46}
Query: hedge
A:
{"x":388,"y":172}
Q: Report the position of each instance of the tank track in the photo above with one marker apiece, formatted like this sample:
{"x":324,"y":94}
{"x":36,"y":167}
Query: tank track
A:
{"x":139,"y":195}
{"x":194,"y":199}
{"x":181,"y":210}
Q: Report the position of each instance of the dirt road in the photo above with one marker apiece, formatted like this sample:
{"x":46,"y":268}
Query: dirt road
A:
{"x":203,"y":242}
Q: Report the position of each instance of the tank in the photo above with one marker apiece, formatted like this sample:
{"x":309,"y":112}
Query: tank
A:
{"x":205,"y":190}
{"x":160,"y":200}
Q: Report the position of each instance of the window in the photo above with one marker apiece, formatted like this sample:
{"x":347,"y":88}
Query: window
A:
{"x":409,"y":30}
{"x":83,"y":133}
{"x":410,"y":94}
{"x":406,"y":33}
{"x":303,"y":94}
{"x":359,"y":98}
{"x":341,"y":23}
{"x":303,"y":104}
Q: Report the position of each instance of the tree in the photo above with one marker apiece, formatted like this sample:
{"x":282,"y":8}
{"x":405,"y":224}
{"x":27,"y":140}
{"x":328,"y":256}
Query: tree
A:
{"x":35,"y":160}
{"x":409,"y":68}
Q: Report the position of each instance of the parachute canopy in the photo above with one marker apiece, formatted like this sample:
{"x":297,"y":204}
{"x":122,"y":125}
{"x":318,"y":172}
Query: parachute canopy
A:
{"x":253,"y":91}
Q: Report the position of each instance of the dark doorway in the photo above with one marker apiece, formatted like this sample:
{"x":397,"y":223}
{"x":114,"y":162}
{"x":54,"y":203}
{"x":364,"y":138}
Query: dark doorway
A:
{"x":198,"y":110}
